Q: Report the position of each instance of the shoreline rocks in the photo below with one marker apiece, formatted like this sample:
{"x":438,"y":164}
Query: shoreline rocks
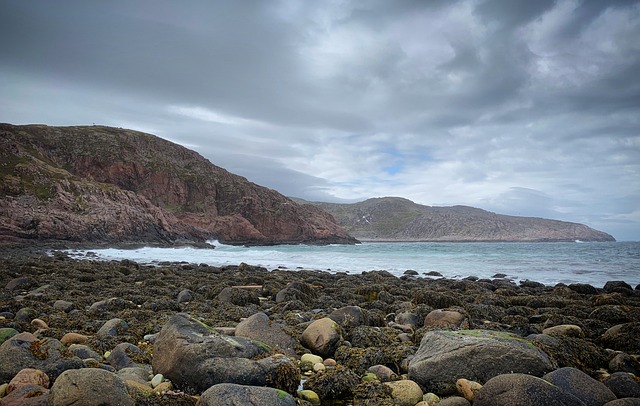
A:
{"x":307,"y":337}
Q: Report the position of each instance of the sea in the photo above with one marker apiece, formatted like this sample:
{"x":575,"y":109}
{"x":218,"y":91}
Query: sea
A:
{"x":593,"y":263}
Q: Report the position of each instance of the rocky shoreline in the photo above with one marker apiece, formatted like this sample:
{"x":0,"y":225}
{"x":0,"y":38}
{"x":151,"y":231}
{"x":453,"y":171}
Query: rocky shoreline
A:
{"x":91,"y":332}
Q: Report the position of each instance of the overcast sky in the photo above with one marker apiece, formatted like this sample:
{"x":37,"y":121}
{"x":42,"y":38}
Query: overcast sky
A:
{"x":519,"y":107}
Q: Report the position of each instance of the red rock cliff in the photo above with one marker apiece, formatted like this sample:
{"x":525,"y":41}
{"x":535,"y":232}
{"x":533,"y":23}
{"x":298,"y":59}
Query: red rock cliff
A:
{"x":106,"y":184}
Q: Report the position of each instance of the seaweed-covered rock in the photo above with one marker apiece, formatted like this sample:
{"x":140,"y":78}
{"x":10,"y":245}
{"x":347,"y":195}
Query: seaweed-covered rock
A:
{"x":478,"y":355}
{"x":405,"y":392}
{"x":24,"y":350}
{"x":571,"y":351}
{"x":194,"y":357}
{"x":238,"y":296}
{"x":334,"y":383}
{"x":623,"y":337}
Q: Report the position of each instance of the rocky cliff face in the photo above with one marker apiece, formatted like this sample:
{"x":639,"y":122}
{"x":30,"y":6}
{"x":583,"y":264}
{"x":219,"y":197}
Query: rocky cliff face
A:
{"x":106,"y":184}
{"x":397,"y":219}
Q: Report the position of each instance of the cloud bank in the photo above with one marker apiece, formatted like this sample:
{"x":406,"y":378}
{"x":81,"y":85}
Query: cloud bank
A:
{"x":519,"y":107}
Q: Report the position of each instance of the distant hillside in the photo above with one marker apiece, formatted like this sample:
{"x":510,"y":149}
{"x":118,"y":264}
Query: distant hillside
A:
{"x":398,"y":219}
{"x":103,"y":184}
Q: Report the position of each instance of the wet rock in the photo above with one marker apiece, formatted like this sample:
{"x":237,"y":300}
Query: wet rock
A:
{"x":238,"y":296}
{"x":113,"y":327}
{"x":20,"y":283}
{"x":322,"y":337}
{"x":194,"y":357}
{"x":311,"y":358}
{"x":623,"y":337}
{"x":622,"y":385}
{"x":74,"y":338}
{"x":623,"y":362}
{"x":383,"y":373}
{"x":137,"y":374}
{"x":569,"y":330}
{"x":229,"y":394}
{"x":444,"y":319}
{"x":580,"y":385}
{"x":454,"y":401}
{"x":444,"y":356}
{"x":523,"y":390}
{"x":571,"y":351}
{"x":83,"y":352}
{"x":259,"y":327}
{"x":618,"y":287}
{"x":26,"y":395}
{"x":63,"y":305}
{"x":28,"y":376}
{"x":6,"y":333}
{"x":309,"y":396}
{"x":83,"y":386}
{"x":24,"y":350}
{"x":405,"y":392}
{"x":184,"y":296}
{"x":348,"y":316}
{"x":468,"y":389}
{"x":624,"y":402}
{"x":583,"y":288}
{"x":124,"y":355}
{"x":24,"y":314}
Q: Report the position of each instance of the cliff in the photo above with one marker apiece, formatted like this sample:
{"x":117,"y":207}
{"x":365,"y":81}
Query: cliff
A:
{"x":103,"y":184}
{"x":397,"y":219}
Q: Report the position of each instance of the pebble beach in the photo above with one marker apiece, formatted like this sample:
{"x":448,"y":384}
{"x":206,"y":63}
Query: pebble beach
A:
{"x":85,"y":332}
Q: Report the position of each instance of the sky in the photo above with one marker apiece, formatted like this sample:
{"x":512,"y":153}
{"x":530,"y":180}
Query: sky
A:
{"x":519,"y":107}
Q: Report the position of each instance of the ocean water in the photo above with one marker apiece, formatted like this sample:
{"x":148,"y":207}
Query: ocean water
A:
{"x":549,"y":263}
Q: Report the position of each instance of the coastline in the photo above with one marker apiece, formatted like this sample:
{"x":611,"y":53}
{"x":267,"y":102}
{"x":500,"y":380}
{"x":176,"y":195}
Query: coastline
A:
{"x":147,"y":298}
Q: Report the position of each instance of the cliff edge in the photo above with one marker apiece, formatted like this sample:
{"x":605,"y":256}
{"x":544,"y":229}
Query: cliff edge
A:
{"x":104,"y":184}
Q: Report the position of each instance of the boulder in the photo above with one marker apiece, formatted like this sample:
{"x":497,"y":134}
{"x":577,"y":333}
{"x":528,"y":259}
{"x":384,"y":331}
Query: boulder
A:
{"x":468,"y":389}
{"x":26,"y":395}
{"x":580,"y":385}
{"x":523,"y":390}
{"x":113,"y":327}
{"x":348,"y":316}
{"x":259,"y":327}
{"x":322,"y":337}
{"x":24,"y":350}
{"x":123,"y":354}
{"x":238,"y":296}
{"x":574,"y":352}
{"x":63,"y":305}
{"x":454,"y":401}
{"x":478,"y":355}
{"x":624,"y":402}
{"x":28,"y":376}
{"x":623,"y":337}
{"x":84,"y":386}
{"x":405,"y":392}
{"x":569,"y":330}
{"x":184,"y":296}
{"x":383,"y":373}
{"x":623,"y":362}
{"x":444,"y":319}
{"x":195,"y":357}
{"x":618,"y":287}
{"x":622,"y":385}
{"x":229,"y":394}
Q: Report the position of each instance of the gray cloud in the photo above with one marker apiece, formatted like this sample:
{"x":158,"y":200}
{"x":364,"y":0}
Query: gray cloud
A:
{"x":520,"y":107}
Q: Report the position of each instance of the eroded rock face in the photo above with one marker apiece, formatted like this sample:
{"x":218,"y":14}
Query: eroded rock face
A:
{"x":113,"y":185}
{"x":477,"y":355}
{"x":195,"y":357}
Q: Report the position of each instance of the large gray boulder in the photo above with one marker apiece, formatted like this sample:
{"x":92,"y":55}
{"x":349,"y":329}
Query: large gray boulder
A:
{"x":24,"y":350}
{"x":477,"y":355}
{"x":259,"y":327}
{"x":580,"y":385}
{"x":228,"y":394}
{"x":322,"y":337}
{"x":195,"y":357}
{"x":89,"y":386}
{"x":523,"y":390}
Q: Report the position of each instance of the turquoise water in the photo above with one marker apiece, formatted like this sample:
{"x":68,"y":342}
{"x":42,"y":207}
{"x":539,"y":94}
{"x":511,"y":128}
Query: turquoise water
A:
{"x":549,"y":263}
